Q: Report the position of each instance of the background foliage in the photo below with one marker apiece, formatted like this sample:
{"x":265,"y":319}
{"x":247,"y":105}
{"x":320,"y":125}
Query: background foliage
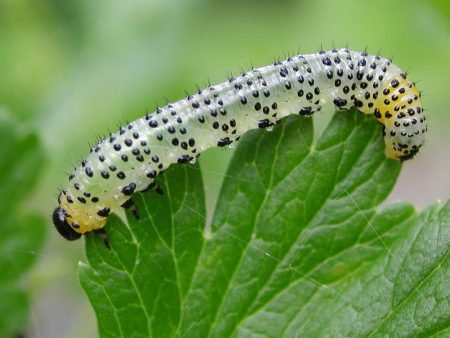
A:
{"x":71,"y":70}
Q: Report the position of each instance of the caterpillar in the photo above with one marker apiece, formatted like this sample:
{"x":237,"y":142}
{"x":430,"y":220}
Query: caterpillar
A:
{"x":129,"y":160}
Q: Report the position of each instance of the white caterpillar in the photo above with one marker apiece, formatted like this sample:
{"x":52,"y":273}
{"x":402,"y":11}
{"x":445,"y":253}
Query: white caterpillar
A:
{"x":129,"y":161}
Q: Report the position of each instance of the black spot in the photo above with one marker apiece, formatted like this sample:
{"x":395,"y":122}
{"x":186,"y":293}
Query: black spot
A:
{"x":339,"y":102}
{"x":128,"y":190}
{"x":104,"y":174}
{"x":121,"y":175}
{"x":326,"y":61}
{"x":104,"y":212}
{"x":358,"y":103}
{"x":89,"y":172}
{"x":152,"y":174}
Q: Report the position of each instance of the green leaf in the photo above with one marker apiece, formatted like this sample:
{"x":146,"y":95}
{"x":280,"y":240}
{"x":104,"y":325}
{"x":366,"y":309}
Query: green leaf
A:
{"x":22,"y":232}
{"x":298,"y":246}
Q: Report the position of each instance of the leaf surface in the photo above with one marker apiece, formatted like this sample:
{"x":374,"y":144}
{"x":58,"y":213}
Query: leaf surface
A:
{"x":299,"y":246}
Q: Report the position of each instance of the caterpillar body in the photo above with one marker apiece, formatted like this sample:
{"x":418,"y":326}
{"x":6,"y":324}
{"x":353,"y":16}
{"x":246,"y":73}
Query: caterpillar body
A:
{"x":129,"y":160}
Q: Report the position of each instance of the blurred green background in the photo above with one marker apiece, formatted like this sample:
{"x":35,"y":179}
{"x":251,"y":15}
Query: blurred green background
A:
{"x":72,"y":70}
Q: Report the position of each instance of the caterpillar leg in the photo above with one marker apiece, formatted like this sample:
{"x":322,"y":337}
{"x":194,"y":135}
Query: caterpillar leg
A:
{"x":155,"y":187}
{"x":129,"y":205}
{"x":102,"y":233}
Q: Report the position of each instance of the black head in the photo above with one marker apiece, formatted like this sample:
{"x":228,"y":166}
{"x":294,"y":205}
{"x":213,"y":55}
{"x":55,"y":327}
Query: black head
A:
{"x":64,"y":229}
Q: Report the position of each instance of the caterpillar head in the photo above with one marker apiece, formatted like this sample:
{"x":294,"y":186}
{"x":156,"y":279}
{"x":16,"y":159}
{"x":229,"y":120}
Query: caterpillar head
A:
{"x":63,"y":227}
{"x":400,"y":110}
{"x":72,"y":219}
